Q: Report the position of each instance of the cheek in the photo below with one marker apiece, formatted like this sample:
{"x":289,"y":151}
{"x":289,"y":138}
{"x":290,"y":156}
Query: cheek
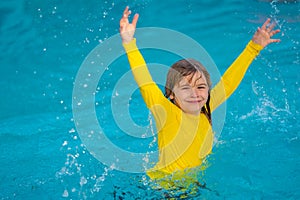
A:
{"x":205,"y":94}
{"x":181,"y":94}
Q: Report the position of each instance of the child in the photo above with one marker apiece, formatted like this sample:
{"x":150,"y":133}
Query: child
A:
{"x":183,"y":114}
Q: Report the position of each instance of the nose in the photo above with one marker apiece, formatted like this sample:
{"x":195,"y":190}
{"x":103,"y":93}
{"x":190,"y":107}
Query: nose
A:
{"x":194,"y":92}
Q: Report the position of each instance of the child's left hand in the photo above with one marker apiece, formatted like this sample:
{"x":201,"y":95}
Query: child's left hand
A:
{"x":263,"y":34}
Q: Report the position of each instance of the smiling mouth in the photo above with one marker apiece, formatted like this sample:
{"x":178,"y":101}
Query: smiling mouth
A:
{"x":195,"y":101}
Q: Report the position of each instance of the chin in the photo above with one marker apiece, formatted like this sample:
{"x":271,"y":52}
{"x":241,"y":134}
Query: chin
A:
{"x":194,"y":111}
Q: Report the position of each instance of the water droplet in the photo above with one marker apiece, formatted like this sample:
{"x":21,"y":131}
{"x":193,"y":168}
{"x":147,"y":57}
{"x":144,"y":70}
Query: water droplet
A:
{"x":72,"y":130}
{"x":83,"y":181}
{"x":66,"y":193}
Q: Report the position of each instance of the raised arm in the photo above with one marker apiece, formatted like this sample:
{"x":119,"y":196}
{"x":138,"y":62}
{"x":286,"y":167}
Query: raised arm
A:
{"x":135,"y":58}
{"x":235,"y":73}
{"x":151,"y":94}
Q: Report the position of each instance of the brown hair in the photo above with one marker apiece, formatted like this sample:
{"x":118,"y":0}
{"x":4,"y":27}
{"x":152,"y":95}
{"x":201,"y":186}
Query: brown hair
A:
{"x":186,"y":67}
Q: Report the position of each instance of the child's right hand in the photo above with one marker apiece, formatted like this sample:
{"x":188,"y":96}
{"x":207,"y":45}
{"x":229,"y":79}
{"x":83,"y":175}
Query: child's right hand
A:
{"x":127,"y":29}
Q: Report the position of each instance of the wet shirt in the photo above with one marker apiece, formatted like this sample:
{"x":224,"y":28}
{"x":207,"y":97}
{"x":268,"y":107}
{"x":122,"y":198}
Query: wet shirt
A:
{"x":184,"y":140}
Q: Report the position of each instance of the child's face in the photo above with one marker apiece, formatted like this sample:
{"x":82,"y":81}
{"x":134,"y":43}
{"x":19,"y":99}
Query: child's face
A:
{"x":191,"y":93}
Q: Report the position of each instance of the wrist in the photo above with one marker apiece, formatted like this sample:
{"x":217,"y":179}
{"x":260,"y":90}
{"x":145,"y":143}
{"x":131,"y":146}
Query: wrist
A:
{"x":127,"y":41}
{"x":130,"y":46}
{"x":254,"y":47}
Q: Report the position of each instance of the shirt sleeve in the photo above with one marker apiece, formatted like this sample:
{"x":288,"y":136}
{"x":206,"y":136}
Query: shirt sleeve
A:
{"x":152,"y":95}
{"x":137,"y":64}
{"x":234,"y":75}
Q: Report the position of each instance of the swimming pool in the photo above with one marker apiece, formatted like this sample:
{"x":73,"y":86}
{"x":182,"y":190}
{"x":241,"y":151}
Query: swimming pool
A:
{"x":44,"y":43}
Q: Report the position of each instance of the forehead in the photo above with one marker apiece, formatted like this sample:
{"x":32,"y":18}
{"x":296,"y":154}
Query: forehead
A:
{"x":193,"y":79}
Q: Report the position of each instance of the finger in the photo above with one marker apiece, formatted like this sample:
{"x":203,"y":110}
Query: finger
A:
{"x":135,"y":19}
{"x":270,"y":27}
{"x":126,"y":10}
{"x":274,"y":32}
{"x":264,"y":26}
{"x":275,"y":40}
{"x":123,"y":22}
{"x":259,"y":30}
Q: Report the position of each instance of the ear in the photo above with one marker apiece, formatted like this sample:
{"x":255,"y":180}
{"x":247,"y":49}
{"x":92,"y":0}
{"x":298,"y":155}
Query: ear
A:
{"x":172,"y":96}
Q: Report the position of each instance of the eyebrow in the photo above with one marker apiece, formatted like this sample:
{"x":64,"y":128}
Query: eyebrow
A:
{"x":202,"y":84}
{"x":186,"y":84}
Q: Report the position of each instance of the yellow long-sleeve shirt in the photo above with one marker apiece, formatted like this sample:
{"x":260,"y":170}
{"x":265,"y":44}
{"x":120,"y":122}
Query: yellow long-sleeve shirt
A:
{"x":184,"y":140}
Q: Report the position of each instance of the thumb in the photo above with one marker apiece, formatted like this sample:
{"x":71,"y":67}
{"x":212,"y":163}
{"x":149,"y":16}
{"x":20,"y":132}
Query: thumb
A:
{"x":135,"y":19}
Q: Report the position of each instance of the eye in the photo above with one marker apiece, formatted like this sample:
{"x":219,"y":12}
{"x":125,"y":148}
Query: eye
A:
{"x":201,"y":87}
{"x":185,"y":88}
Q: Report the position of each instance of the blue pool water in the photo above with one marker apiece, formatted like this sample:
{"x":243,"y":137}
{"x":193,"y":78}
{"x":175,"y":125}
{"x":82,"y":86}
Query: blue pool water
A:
{"x":44,"y":43}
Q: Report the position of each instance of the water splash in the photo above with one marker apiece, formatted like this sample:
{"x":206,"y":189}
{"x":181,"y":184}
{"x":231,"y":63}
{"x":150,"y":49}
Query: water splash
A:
{"x":266,"y":110}
{"x":148,"y":160}
{"x":78,"y":175}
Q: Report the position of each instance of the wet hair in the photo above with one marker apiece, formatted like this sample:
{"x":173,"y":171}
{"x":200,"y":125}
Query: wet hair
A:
{"x":183,"y":68}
